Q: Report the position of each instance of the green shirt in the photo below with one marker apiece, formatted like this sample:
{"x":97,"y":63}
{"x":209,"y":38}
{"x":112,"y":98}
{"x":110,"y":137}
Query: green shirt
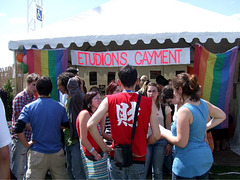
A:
{"x":67,"y":134}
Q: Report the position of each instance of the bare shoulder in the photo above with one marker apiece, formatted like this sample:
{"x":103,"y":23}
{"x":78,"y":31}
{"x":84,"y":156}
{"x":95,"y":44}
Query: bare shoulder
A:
{"x":84,"y":113}
{"x":183,"y":110}
{"x":184,"y":113}
{"x":209,"y":105}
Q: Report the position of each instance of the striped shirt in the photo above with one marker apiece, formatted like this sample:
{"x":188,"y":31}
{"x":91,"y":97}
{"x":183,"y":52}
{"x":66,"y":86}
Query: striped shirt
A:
{"x":108,"y":130}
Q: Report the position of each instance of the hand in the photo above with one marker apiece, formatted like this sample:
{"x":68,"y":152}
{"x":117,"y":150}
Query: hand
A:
{"x":168,"y":149}
{"x":98,"y":157}
{"x":30,"y":143}
{"x":108,"y":149}
{"x":162,"y":130}
{"x":205,"y":139}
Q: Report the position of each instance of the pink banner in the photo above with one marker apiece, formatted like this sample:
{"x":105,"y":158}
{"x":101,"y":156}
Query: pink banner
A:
{"x":133,"y":57}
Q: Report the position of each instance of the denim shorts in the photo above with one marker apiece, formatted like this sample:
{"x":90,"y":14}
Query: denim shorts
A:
{"x":135,"y":171}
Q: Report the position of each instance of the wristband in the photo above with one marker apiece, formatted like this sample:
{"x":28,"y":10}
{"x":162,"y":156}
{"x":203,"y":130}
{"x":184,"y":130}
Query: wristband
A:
{"x":92,"y":150}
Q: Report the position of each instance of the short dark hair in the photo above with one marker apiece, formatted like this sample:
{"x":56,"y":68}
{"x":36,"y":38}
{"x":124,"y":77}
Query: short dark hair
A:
{"x":161,"y":80}
{"x":72,"y":70}
{"x":32,"y":77}
{"x":167,"y":93}
{"x":94,"y":88}
{"x":44,"y":86}
{"x":128,"y":75}
{"x":64,"y":77}
{"x":87,"y":102}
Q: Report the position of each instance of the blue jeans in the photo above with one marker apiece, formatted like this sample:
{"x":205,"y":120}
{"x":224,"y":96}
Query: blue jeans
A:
{"x":156,"y":155}
{"x":18,"y":158}
{"x":74,"y":162}
{"x":168,"y":160}
{"x":135,"y":171}
{"x":202,"y":177}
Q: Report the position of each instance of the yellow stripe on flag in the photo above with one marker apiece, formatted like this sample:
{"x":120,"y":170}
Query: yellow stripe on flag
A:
{"x":209,"y":76}
{"x":44,"y":63}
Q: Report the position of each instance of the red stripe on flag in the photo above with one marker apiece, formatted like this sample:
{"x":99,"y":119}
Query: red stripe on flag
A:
{"x":197,"y":56}
{"x":30,"y":61}
{"x":189,"y":70}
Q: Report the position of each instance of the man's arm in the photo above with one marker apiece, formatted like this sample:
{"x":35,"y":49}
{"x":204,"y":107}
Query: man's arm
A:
{"x":4,"y":162}
{"x":19,"y":127}
{"x":154,"y":125}
{"x":65,"y":125}
{"x":28,"y":127}
{"x":92,"y":125}
{"x":18,"y":105}
{"x":103,"y":127}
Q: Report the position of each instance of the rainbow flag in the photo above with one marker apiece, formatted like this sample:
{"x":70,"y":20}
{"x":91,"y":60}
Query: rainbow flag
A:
{"x":215,"y":75}
{"x":49,"y":63}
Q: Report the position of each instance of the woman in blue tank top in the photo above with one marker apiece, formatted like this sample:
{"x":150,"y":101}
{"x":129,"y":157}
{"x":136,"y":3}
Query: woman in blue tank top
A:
{"x":192,"y":155}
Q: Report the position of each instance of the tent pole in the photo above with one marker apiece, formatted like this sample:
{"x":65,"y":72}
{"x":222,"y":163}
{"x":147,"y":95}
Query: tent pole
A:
{"x":15,"y":72}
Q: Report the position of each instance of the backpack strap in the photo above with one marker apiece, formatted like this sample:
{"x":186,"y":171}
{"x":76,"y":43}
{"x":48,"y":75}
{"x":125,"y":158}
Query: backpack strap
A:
{"x":135,"y":118}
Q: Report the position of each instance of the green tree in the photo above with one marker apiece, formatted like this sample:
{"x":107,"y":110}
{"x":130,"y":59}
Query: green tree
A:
{"x":9,"y":89}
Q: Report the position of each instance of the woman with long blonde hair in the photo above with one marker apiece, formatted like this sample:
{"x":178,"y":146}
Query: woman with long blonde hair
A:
{"x":158,"y":150}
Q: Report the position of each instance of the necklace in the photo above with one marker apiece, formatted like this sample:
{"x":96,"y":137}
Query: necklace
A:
{"x":186,"y":100}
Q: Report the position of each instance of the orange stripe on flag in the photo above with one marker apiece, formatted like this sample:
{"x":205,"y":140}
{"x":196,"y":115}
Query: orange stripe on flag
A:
{"x":37,"y":62}
{"x":203,"y":67}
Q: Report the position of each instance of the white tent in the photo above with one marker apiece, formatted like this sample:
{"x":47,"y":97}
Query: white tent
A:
{"x":133,"y":20}
{"x":142,"y":24}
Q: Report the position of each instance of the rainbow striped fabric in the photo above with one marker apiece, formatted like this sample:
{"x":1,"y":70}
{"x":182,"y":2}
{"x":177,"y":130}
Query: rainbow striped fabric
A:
{"x":94,"y":169}
{"x":49,"y":63}
{"x":215,"y":75}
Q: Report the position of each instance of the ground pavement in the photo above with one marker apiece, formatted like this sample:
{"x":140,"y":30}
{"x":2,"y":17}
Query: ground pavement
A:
{"x":226,"y":158}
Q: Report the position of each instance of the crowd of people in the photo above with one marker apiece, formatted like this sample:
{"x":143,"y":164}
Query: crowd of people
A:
{"x":76,"y":138}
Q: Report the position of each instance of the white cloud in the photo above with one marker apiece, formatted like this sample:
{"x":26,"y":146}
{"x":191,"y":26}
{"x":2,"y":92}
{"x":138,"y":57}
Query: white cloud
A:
{"x":236,"y":16}
{"x":6,"y":55}
{"x":18,"y":21}
{"x":2,"y":14}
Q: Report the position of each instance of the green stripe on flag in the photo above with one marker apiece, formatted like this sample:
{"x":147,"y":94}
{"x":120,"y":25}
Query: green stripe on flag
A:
{"x":51,"y":67}
{"x":217,"y":76}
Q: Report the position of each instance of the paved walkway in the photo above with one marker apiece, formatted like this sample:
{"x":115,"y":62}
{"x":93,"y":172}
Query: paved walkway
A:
{"x":226,"y":158}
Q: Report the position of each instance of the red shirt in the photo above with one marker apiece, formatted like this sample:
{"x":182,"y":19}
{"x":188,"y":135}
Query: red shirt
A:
{"x":121,"y":109}
{"x":90,"y":139}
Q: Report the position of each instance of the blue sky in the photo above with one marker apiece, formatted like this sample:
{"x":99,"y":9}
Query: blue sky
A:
{"x":13,"y":16}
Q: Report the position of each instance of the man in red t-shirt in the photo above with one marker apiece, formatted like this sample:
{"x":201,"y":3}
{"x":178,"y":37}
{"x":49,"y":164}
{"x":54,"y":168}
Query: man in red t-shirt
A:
{"x":121,"y":108}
